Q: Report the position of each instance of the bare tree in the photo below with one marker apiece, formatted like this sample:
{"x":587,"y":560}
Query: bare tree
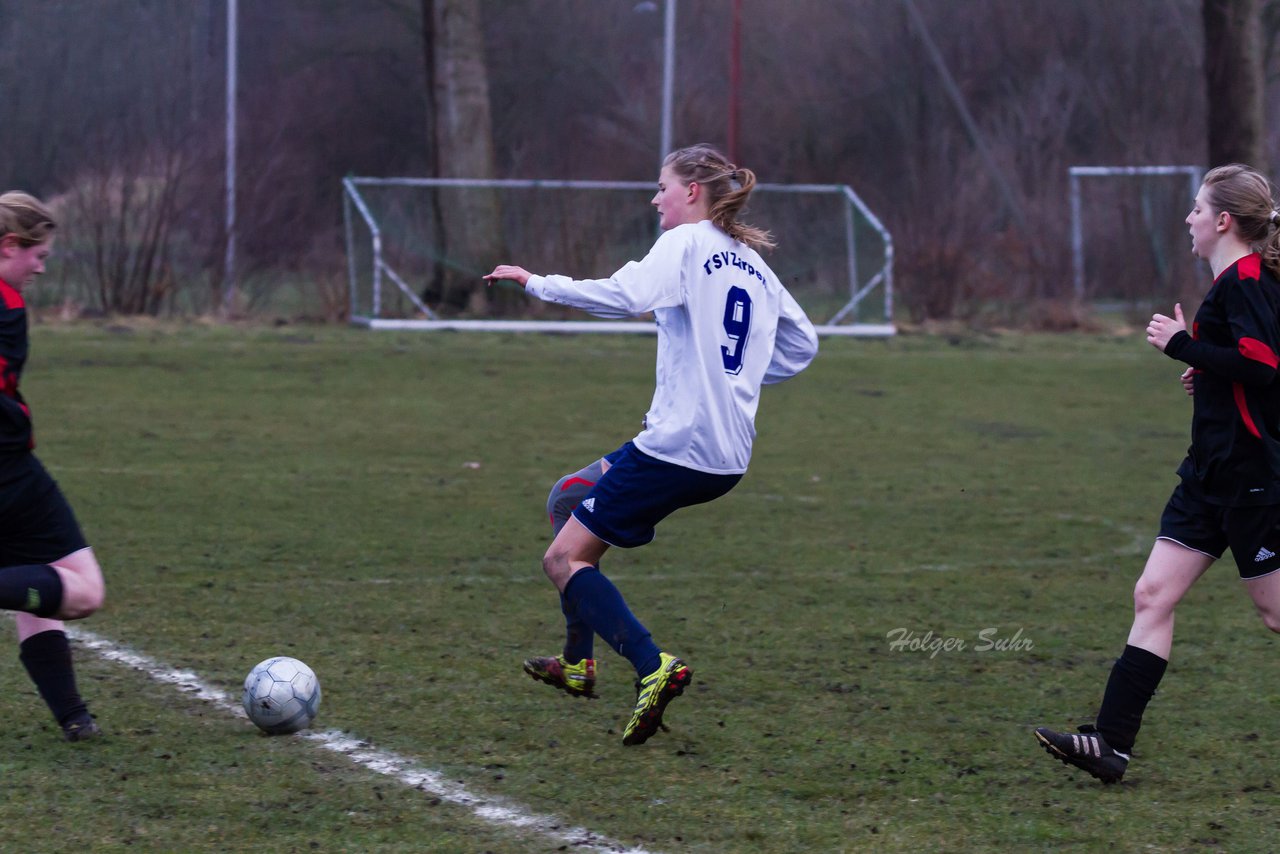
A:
{"x":1234,"y":74}
{"x":470,"y":220}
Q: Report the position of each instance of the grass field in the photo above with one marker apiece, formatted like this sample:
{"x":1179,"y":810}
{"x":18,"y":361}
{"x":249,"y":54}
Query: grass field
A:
{"x":373,"y":504}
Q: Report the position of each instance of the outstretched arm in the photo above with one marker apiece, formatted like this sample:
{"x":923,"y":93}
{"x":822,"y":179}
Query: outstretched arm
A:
{"x":640,"y":286}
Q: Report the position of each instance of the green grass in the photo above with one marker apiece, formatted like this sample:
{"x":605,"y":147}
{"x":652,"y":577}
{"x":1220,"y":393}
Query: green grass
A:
{"x":373,"y":504}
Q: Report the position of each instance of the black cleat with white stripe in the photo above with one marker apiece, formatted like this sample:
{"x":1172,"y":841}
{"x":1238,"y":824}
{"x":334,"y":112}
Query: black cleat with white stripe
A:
{"x":1087,"y":750}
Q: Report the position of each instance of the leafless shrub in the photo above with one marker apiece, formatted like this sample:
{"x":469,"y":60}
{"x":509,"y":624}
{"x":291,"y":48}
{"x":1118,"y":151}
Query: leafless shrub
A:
{"x":122,"y":221}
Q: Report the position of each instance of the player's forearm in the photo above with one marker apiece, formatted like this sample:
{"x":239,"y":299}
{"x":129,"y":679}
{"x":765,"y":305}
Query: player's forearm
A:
{"x":1226,"y":362}
{"x":587,"y":295}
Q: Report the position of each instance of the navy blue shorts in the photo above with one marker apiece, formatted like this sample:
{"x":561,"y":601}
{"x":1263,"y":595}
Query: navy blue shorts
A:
{"x":36,"y":522}
{"x":638,"y":492}
{"x":1252,"y":533}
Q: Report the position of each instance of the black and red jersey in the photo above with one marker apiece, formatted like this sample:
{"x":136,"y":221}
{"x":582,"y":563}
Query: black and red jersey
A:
{"x":15,"y":417}
{"x":1234,"y":458}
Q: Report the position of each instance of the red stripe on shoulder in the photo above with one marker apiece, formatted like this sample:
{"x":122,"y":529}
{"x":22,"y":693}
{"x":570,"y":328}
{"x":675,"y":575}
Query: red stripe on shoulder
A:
{"x":1252,"y":348}
{"x":1250,"y":267}
{"x":10,"y":296}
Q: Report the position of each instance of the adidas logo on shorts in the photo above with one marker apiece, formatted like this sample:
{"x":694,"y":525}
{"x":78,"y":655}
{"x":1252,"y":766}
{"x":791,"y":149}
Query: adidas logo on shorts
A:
{"x":590,"y":506}
{"x":1264,"y":554}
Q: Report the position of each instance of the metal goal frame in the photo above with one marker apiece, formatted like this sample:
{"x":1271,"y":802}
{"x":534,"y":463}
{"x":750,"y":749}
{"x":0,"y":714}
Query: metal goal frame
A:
{"x":1076,"y":173}
{"x":355,"y":205}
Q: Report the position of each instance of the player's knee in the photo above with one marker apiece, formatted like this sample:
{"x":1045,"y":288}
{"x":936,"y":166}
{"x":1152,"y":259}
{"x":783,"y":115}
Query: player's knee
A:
{"x":79,"y":609}
{"x":1270,"y":618}
{"x":81,"y":600}
{"x":95,"y":598}
{"x":555,"y":563}
{"x":1149,"y":596}
{"x":83,"y":588}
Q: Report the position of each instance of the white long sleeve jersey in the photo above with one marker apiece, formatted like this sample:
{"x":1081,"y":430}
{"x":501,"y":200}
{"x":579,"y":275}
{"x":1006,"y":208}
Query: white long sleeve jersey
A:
{"x":726,"y":325}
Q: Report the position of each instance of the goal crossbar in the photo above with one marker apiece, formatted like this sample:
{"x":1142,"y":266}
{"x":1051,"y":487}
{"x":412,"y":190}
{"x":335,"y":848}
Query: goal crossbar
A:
{"x":356,"y":205}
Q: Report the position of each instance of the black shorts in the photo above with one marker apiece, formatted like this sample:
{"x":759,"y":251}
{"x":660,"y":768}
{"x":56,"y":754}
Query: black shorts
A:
{"x":36,"y":522}
{"x":639,"y":491}
{"x":1252,"y":533}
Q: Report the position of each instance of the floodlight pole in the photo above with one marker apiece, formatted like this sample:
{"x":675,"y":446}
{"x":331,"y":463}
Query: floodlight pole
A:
{"x":229,"y":259}
{"x":668,"y":76}
{"x":735,"y":79}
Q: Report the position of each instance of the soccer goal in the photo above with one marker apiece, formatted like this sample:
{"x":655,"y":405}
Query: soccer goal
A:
{"x":834,"y":255}
{"x":1129,"y":245}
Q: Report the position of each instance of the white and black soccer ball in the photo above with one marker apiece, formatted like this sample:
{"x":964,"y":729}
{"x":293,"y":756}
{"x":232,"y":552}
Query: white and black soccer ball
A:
{"x":281,"y":695}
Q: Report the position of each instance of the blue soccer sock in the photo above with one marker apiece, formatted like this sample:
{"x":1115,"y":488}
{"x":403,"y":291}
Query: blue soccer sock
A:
{"x":599,"y":604}
{"x":579,"y":640}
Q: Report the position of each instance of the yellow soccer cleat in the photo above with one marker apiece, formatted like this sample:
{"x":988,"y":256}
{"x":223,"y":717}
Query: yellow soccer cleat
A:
{"x":576,"y":680}
{"x":653,"y":692}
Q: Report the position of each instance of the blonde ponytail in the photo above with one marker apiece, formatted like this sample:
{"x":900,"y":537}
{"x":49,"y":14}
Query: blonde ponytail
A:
{"x":727,"y":187}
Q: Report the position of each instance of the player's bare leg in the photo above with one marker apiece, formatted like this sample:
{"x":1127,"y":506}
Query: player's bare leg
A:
{"x":83,"y":589}
{"x":1103,"y":749}
{"x":1265,"y":592}
{"x":1170,"y":571}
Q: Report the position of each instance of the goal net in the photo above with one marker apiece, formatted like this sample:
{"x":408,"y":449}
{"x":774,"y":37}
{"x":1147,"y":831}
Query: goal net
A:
{"x":406,"y":253}
{"x":1129,"y":244}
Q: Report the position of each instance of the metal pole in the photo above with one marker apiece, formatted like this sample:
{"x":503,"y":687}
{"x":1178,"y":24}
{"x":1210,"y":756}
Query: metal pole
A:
{"x":851,"y":248}
{"x":1077,"y":238}
{"x":668,"y":76}
{"x":353,"y":308}
{"x":229,"y":260}
{"x":735,"y":79}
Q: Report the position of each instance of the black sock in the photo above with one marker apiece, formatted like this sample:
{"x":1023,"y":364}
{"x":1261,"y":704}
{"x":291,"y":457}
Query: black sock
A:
{"x":1133,"y":682}
{"x":36,"y":589}
{"x":47,"y":657}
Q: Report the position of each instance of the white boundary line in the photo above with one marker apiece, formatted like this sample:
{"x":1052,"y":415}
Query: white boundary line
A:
{"x":494,"y":810}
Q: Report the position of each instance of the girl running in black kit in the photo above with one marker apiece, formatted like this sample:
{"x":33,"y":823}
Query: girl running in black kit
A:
{"x":1229,"y":496}
{"x":47,"y":571}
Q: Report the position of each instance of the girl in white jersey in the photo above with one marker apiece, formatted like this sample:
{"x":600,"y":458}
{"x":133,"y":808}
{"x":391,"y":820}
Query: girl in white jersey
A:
{"x":726,"y":325}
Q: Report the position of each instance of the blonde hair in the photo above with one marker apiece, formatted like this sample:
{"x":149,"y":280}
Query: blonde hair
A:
{"x":1248,"y":196}
{"x":727,"y":188}
{"x":25,"y":217}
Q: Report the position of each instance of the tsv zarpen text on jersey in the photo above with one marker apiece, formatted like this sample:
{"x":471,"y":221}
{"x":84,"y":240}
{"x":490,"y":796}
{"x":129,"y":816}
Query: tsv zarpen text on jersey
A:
{"x":720,"y":260}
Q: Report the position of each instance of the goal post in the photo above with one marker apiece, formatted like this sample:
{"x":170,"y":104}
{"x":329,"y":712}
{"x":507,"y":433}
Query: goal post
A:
{"x":835,"y":255}
{"x":1151,"y":218}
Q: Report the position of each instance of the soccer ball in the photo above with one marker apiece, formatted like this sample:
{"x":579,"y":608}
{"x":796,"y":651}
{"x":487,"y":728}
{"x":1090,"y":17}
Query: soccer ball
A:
{"x":281,"y":695}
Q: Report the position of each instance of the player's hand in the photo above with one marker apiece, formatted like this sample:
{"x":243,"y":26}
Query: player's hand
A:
{"x":519,"y":275}
{"x":1188,"y":380}
{"x":1162,"y":328}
